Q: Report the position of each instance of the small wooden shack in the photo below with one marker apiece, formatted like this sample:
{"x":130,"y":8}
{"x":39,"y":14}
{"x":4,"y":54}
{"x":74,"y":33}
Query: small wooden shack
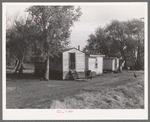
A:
{"x":69,"y":59}
{"x":96,"y":63}
{"x":72,"y":59}
{"x":111,"y":64}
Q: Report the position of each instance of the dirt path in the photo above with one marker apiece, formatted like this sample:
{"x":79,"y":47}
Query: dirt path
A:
{"x":33,"y":93}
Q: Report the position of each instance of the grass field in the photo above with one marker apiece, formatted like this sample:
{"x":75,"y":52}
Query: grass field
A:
{"x":109,"y":91}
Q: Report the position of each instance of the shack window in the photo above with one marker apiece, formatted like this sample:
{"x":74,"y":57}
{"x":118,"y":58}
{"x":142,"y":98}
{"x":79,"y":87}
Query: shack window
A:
{"x":96,"y":64}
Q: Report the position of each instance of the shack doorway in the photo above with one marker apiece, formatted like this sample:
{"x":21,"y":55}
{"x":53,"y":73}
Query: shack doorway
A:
{"x":116,"y":62}
{"x":72,"y":61}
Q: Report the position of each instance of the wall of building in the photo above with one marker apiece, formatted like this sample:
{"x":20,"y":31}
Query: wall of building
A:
{"x":80,"y":62}
{"x":39,"y":69}
{"x":108,"y":64}
{"x":117,"y":62}
{"x":92,"y":65}
{"x":111,"y":64}
{"x":55,"y":67}
{"x":100,"y":65}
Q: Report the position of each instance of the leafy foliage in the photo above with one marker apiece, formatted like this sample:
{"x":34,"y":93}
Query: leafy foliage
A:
{"x":45,"y":32}
{"x":54,"y":23}
{"x":120,"y":39}
{"x":17,"y":40}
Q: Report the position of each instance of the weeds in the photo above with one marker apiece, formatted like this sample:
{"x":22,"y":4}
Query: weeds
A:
{"x":125,"y":97}
{"x":113,"y":91}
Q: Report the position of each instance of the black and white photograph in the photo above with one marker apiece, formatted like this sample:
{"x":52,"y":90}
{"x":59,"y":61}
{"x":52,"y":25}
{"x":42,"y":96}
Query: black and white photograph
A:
{"x":75,"y":60}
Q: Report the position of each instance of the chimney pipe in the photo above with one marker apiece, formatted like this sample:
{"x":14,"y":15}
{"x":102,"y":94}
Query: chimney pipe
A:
{"x":78,"y":47}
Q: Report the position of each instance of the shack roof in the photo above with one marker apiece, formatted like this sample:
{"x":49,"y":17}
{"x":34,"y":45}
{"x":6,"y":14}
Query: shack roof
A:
{"x":97,"y":55}
{"x":111,"y":58}
{"x":69,"y":49}
{"x":89,"y":54}
{"x":75,"y":49}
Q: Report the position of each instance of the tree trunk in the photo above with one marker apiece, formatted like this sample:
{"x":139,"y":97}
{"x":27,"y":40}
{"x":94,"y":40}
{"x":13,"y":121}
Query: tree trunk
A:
{"x":125,"y":64}
{"x":21,"y":67}
{"x":46,"y":74}
{"x":138,"y":59}
{"x":124,"y":58}
{"x":17,"y":65}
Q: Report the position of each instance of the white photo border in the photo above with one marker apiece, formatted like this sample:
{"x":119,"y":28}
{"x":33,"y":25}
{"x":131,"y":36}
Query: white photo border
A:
{"x":77,"y":114}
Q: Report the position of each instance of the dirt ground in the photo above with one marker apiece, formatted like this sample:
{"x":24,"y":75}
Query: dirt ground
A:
{"x":108,"y":91}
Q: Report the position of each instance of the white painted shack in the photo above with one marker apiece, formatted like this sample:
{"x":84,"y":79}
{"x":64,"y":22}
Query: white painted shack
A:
{"x":69,"y":59}
{"x":73,"y":59}
{"x":96,"y":63}
{"x":111,"y":63}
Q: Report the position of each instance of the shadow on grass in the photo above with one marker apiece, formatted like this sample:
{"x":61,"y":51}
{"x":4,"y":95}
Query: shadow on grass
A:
{"x":24,"y":76}
{"x":30,"y":77}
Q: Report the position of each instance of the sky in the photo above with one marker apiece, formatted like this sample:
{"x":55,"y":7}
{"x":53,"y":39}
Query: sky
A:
{"x":94,"y":15}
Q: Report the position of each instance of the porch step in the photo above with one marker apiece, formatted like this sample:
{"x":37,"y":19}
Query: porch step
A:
{"x":74,"y":74}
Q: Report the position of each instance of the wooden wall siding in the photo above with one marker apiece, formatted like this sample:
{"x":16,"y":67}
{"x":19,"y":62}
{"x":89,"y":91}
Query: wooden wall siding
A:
{"x":80,"y":61}
{"x":55,"y":67}
{"x":110,"y":64}
{"x":39,"y":68}
{"x":99,"y":69}
{"x":56,"y":63}
{"x":100,"y":65}
{"x":92,"y":63}
{"x":113,"y":64}
{"x":65,"y":63}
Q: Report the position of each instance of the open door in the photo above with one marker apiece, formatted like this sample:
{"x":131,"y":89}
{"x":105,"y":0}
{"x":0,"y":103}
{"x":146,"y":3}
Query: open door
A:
{"x":72,"y":61}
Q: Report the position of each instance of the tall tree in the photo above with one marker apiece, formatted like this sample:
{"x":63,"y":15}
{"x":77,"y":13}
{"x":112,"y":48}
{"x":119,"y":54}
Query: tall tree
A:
{"x":17,"y":40}
{"x":20,"y":39}
{"x":54,"y":23}
{"x":120,"y":39}
{"x":116,"y":31}
{"x":99,"y":43}
{"x":136,"y":41}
